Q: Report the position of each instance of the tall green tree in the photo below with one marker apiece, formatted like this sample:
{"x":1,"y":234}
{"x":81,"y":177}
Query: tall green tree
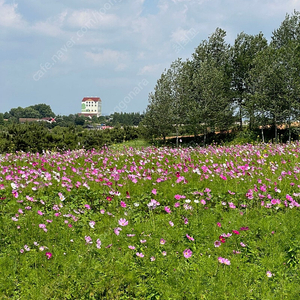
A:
{"x":243,"y":52}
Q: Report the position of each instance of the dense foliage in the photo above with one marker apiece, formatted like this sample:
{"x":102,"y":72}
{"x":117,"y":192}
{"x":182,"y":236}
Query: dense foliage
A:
{"x":154,"y":223}
{"x":221,"y":84}
{"x":38,"y":137}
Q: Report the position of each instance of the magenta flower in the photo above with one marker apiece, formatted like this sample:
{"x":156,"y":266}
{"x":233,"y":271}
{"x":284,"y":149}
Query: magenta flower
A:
{"x":186,"y":221}
{"x":187,"y":253}
{"x":154,"y":191}
{"x":190,"y":238}
{"x":123,"y":222}
{"x":235,"y":231}
{"x":167,"y":209}
{"x":40,"y":213}
{"x":224,"y":261}
{"x":219,"y":224}
{"x":88,"y":239}
{"x":177,"y":204}
{"x":123,"y":204}
{"x":48,"y":255}
{"x":217,"y":244}
{"x":87,"y":206}
{"x":244,"y":228}
{"x":117,"y":230}
{"x":162,"y":241}
{"x":98,"y":243}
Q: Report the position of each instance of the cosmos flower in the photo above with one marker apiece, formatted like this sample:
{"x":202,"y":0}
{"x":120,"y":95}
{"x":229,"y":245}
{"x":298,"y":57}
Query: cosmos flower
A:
{"x":123,"y":222}
{"x":187,"y":253}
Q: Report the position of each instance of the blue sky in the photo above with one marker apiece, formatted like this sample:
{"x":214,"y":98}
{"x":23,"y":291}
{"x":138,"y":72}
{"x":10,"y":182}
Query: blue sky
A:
{"x":57,"y":52}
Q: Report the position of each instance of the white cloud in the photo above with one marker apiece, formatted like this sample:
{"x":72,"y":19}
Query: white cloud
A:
{"x":149,"y":69}
{"x":92,"y":19}
{"x":9,"y":16}
{"x":107,"y":56}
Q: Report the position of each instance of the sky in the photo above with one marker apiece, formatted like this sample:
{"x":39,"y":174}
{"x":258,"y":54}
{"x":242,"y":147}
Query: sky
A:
{"x":58,"y":52}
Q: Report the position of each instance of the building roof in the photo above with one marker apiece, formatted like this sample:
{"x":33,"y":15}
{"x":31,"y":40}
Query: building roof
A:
{"x":96,"y":99}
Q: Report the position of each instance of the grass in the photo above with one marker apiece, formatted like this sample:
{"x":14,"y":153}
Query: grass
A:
{"x":238,"y":203}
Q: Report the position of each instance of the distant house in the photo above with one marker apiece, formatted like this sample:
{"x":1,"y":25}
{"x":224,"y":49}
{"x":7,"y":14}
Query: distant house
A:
{"x":91,"y":106}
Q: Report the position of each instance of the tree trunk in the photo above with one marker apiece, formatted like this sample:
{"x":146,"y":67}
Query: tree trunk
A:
{"x":276,"y":137}
{"x":290,"y":132}
{"x":176,"y":136}
{"x":241,"y":120}
{"x":262,"y":134}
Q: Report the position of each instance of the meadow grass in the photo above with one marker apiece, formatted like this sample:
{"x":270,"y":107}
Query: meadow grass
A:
{"x":151,"y":223}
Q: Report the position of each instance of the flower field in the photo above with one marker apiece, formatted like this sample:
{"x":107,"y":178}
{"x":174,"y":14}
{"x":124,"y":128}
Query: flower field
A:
{"x":151,"y":223}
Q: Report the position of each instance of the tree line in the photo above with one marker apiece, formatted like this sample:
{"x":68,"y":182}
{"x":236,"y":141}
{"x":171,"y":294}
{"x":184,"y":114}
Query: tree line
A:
{"x":222,"y":85}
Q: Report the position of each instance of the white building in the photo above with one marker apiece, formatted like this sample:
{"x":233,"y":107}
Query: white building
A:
{"x":91,"y":106}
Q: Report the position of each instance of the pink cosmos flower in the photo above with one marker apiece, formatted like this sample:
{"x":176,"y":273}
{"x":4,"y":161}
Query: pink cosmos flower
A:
{"x":140,"y":254}
{"x":171,"y":223}
{"x":167,"y":209}
{"x":40,"y":213}
{"x":88,"y":239}
{"x":162,"y":241}
{"x":186,"y":221}
{"x":48,"y":255}
{"x":154,"y":191}
{"x":235,"y":231}
{"x":123,"y":222}
{"x":187,"y":253}
{"x":143,"y":241}
{"x":152,"y":258}
{"x":131,"y":247}
{"x":244,"y":228}
{"x":269,"y":274}
{"x":98,"y":243}
{"x":217,"y":244}
{"x":87,"y":206}
{"x":123,"y":204}
{"x":61,"y":197}
{"x":92,"y":224}
{"x":224,"y":261}
{"x":219,"y":224}
{"x":177,"y":204}
{"x":117,"y":230}
{"x":190,"y":238}
{"x":164,"y":253}
{"x":242,"y":244}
